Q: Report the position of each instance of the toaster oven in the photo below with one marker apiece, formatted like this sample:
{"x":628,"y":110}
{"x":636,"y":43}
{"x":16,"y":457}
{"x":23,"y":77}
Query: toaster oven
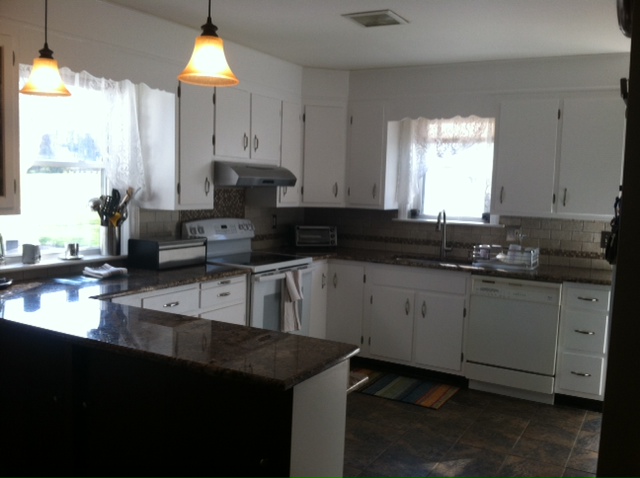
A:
{"x":320,"y":236}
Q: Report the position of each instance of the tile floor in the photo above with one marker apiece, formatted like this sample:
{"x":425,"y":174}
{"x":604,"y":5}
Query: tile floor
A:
{"x":473,"y":434}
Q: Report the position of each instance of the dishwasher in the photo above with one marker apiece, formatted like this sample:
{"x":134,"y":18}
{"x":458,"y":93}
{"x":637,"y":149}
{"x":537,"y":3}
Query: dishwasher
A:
{"x":512,"y":337}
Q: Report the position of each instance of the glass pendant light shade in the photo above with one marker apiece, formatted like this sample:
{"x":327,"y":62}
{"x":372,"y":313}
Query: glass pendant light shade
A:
{"x":208,"y":65}
{"x":45,"y":79}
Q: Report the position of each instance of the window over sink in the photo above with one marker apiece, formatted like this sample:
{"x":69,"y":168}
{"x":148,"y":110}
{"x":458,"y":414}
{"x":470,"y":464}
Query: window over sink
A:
{"x":445,"y":164}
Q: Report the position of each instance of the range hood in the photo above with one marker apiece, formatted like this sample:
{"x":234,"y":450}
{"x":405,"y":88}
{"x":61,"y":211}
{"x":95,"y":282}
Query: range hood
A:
{"x":251,"y":175}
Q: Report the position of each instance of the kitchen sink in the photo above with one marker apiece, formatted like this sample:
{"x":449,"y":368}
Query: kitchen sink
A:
{"x":426,"y":260}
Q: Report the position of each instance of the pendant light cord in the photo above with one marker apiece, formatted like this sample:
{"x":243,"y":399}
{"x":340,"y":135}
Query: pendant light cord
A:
{"x":46,"y":10}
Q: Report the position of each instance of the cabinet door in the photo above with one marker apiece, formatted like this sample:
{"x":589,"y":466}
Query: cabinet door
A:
{"x":344,"y":303}
{"x":525,"y":157}
{"x":390,"y":322}
{"x":324,"y":155}
{"x":233,"y":314}
{"x":266,"y":128}
{"x":196,"y":151}
{"x":590,"y":156}
{"x":9,"y":145}
{"x":319,"y":284}
{"x":291,"y":156}
{"x":365,"y":163}
{"x":439,"y":322}
{"x":232,"y":123}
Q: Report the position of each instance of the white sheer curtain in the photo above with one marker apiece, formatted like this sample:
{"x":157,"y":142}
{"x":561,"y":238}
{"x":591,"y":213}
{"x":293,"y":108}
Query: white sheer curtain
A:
{"x":120,"y":141}
{"x":418,"y":137}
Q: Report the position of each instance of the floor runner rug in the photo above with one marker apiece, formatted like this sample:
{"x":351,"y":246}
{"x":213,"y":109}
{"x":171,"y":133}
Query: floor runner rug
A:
{"x":392,"y":386}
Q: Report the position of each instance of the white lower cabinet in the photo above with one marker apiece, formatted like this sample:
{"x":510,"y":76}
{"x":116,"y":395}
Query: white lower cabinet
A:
{"x":319,"y":287}
{"x":416,"y":316}
{"x":344,"y":302}
{"x":223,"y":300}
{"x":583,"y":340}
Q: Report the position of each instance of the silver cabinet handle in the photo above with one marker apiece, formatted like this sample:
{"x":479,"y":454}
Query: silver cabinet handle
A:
{"x":585,"y":332}
{"x":245,"y":141}
{"x":171,"y":304}
{"x":424,"y":309}
{"x":324,"y":280}
{"x":224,"y":294}
{"x":284,"y":190}
{"x":207,"y":186}
{"x":256,"y":142}
{"x":374,"y":191}
{"x":564,"y":198}
{"x":335,"y":279}
{"x":335,"y":189}
{"x":407,"y":307}
{"x":588,"y":299}
{"x":581,"y":374}
{"x":501,"y":194}
{"x":224,"y":282}
{"x":203,"y":342}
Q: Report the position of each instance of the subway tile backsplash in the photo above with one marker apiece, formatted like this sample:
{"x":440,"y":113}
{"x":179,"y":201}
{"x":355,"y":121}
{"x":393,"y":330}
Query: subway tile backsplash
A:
{"x":562,"y":242}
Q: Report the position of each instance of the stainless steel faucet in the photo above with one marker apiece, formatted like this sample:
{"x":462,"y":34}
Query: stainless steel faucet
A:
{"x":441,"y":225}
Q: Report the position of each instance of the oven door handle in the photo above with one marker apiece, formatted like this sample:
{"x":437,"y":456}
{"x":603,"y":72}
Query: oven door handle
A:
{"x":279,"y":276}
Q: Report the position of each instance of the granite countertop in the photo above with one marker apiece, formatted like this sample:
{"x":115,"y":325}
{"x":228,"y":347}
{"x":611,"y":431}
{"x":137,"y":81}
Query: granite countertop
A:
{"x":71,"y":306}
{"x":545,"y":273}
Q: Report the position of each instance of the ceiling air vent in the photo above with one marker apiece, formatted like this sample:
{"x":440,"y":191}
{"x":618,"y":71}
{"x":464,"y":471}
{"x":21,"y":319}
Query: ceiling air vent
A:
{"x":378,"y":18}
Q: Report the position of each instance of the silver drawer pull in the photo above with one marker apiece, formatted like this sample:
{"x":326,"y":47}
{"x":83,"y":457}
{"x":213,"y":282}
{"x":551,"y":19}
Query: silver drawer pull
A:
{"x":585,"y":332}
{"x":224,"y":282}
{"x":172,"y":304}
{"x":588,"y":299}
{"x":224,"y":294}
{"x":581,"y":374}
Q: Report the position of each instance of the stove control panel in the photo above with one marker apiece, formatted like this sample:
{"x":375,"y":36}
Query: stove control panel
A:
{"x":218,"y":229}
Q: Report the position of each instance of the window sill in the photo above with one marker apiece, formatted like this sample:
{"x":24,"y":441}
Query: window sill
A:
{"x":450,"y":222}
{"x":14,"y":264}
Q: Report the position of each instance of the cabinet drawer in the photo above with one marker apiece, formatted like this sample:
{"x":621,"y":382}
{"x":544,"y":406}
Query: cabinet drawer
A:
{"x":175,"y":302}
{"x":233,"y":314}
{"x":580,"y":373}
{"x":586,"y":297}
{"x":222,"y":292}
{"x":585,"y":331}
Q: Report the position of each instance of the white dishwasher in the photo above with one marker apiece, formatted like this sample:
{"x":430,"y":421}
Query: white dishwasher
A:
{"x":512,"y":337}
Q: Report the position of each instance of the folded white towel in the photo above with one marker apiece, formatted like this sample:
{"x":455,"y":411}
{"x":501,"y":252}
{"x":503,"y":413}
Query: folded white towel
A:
{"x":291,"y":294}
{"x":104,"y":270}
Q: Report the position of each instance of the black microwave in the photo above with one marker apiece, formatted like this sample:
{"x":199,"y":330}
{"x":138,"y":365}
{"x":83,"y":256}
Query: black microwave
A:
{"x":316,"y":236}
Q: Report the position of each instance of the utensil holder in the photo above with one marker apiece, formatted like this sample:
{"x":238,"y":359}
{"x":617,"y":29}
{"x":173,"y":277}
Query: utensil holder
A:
{"x":109,"y":240}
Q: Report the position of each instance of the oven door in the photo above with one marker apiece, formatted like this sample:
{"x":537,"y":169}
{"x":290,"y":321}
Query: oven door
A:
{"x":266,"y":307}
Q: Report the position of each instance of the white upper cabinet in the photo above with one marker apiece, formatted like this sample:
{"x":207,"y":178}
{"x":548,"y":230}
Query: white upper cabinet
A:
{"x":292,"y":131}
{"x":9,"y":149}
{"x":371,"y":173}
{"x":178,"y":178}
{"x":247,"y":126}
{"x":525,"y":157}
{"x":591,"y":150}
{"x":325,"y":142}
{"x":559,"y":158}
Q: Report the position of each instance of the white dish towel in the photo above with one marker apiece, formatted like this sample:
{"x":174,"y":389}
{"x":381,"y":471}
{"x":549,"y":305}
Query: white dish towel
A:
{"x":291,"y":294}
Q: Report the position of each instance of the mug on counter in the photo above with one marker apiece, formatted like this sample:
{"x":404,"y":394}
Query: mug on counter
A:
{"x":30,"y":253}
{"x":72,"y":251}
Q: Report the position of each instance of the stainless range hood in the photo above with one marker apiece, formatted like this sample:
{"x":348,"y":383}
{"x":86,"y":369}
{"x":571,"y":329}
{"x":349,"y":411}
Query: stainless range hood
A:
{"x":251,"y":175}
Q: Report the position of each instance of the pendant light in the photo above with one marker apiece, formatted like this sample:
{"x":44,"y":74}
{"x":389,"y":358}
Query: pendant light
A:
{"x":45,"y":78}
{"x":208,"y":65}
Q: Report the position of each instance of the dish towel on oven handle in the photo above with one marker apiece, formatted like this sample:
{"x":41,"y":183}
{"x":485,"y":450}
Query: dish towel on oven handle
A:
{"x":291,"y":294}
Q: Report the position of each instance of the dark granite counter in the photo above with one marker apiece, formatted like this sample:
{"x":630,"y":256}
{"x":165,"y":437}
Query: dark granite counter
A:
{"x":71,"y":306}
{"x":544,"y":273}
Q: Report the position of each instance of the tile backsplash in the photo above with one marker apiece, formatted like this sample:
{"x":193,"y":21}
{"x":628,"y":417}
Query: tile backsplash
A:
{"x":562,"y":242}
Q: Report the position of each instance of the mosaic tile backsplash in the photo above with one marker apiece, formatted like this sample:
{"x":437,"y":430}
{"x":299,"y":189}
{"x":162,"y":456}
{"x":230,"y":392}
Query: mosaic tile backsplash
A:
{"x":562,"y":242}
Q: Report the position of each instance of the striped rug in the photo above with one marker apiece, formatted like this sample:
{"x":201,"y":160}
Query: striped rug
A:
{"x":423,"y":393}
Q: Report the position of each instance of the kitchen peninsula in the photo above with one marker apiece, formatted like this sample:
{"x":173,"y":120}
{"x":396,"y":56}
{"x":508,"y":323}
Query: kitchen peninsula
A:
{"x":92,"y":387}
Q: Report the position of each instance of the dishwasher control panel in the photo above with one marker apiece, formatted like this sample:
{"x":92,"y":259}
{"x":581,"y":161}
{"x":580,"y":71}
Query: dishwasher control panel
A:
{"x":515,"y":289}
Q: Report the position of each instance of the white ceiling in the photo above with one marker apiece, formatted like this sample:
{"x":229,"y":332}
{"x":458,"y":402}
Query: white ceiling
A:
{"x":313,"y":33}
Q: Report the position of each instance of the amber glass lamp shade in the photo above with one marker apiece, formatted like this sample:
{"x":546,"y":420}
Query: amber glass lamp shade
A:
{"x":208,"y":65}
{"x":45,"y":79}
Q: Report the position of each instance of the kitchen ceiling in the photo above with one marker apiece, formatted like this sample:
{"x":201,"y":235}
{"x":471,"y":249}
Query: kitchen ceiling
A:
{"x":314,"y":33}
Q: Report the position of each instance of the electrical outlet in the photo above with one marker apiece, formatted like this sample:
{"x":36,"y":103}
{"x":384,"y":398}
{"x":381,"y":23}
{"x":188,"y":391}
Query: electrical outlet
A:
{"x":513,"y":234}
{"x":604,"y":238}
